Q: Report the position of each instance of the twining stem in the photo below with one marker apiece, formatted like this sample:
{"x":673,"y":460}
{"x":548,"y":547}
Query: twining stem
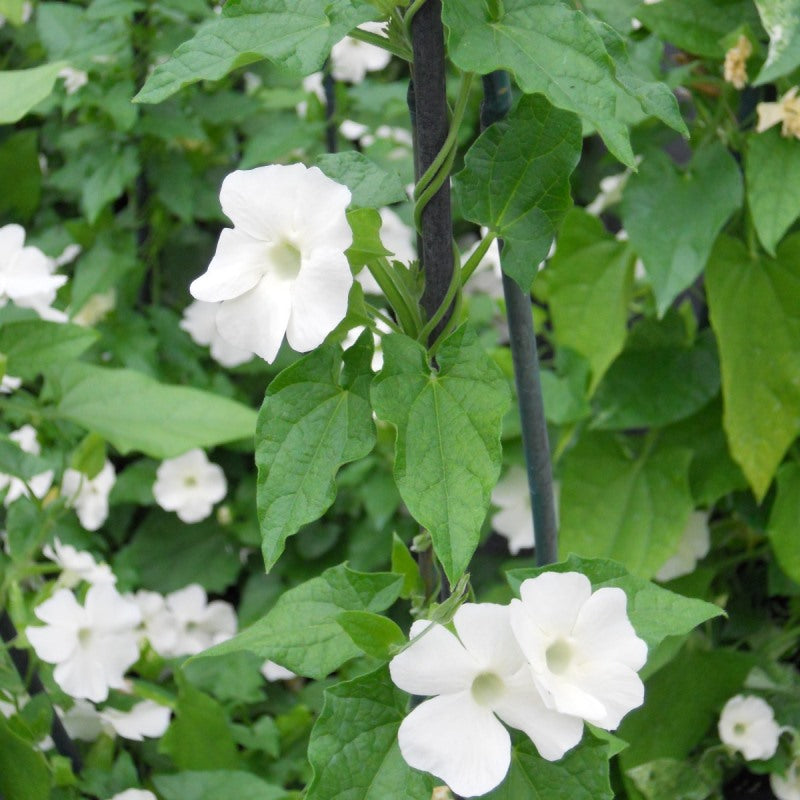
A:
{"x":431,"y":125}
{"x":497,"y":101}
{"x":19,"y":658}
{"x":480,"y":251}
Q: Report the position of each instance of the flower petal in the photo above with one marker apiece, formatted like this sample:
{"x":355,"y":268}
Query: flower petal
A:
{"x":237,"y":266}
{"x":603,"y":631}
{"x":52,"y":644}
{"x":257,"y":320}
{"x":319,"y":301}
{"x":435,"y":663}
{"x":616,"y":686}
{"x":455,"y":739}
{"x":262,"y":201}
{"x":522,"y":707}
{"x":320,"y":220}
{"x":554,"y":599}
{"x":485,"y":631}
{"x":63,"y":610}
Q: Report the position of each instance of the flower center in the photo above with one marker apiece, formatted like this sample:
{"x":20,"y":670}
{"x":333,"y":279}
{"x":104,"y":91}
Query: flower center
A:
{"x":740,"y":729}
{"x":487,"y":688}
{"x":189,"y":481}
{"x":559,"y":656}
{"x":84,"y":636}
{"x":285,"y":260}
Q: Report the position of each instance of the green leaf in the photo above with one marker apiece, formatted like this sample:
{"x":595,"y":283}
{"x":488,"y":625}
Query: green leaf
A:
{"x":655,"y":98}
{"x":366,"y":225}
{"x":403,"y":563}
{"x":655,"y":385}
{"x":215,"y":784}
{"x":755,"y":313}
{"x":654,"y":612}
{"x":199,"y":737}
{"x":22,"y":89}
{"x":668,"y":778}
{"x":89,"y":457}
{"x":13,"y":11}
{"x":297,"y":35}
{"x":782,"y":528}
{"x":772,"y":172}
{"x":632,"y":508}
{"x":590,"y":281}
{"x":371,"y":185}
{"x":516,"y":181}
{"x":353,"y":748}
{"x":697,"y":26}
{"x":23,"y":770}
{"x":712,"y":473}
{"x":301,"y":633}
{"x":35,"y":346}
{"x":20,"y":174}
{"x":581,"y":775}
{"x":315,"y":417}
{"x":159,"y":420}
{"x":534,"y":41}
{"x":167,"y":555}
{"x":659,"y":200}
{"x":694,"y":688}
{"x":374,"y":634}
{"x":781,"y":20}
{"x":111,"y":176}
{"x":447,"y":452}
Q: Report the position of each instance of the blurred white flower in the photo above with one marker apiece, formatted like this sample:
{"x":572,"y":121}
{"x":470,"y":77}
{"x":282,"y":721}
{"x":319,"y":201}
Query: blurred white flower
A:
{"x":377,"y":353}
{"x":77,"y":565}
{"x":611,"y":188}
{"x":189,"y":485}
{"x":397,"y":237}
{"x":199,"y":321}
{"x":89,"y":496}
{"x":312,"y":84}
{"x":95,"y":308}
{"x":39,"y":484}
{"x":158,"y":623}
{"x":787,"y":786}
{"x":735,"y":67}
{"x":74,"y":79}
{"x":785,"y":111}
{"x":9,"y":384}
{"x":275,"y":672}
{"x":514,"y":521}
{"x":91,"y":645}
{"x":747,"y":724}
{"x":478,"y":676}
{"x":68,"y":255}
{"x":352,"y":130}
{"x":582,"y":648}
{"x":252,"y":82}
{"x":352,"y":59}
{"x":147,"y":719}
{"x":134,"y":794}
{"x":198,"y":623}
{"x":693,"y":546}
{"x":26,"y":275}
{"x":281,"y":269}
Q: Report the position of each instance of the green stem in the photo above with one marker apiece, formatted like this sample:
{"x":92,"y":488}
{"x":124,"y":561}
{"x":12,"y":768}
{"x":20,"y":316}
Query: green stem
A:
{"x":378,"y":314}
{"x":480,"y":251}
{"x":404,"y":306}
{"x":382,"y":42}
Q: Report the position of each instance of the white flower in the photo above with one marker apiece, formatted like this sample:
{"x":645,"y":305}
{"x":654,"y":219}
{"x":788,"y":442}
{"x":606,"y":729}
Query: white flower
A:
{"x":312,"y":84}
{"x":282,"y":268}
{"x":693,"y":546}
{"x":134,"y":794}
{"x":785,"y":111}
{"x":514,"y":521}
{"x":397,"y":237}
{"x":74,"y":79}
{"x":352,"y":59}
{"x":582,"y":649}
{"x":477,"y":677}
{"x":89,"y":496}
{"x":199,"y":321}
{"x":198,"y":623}
{"x":352,"y":130}
{"x":275,"y":672}
{"x":39,"y":484}
{"x":91,"y":645}
{"x":26,"y":274}
{"x":158,"y":624}
{"x":147,"y":719}
{"x":747,"y":724}
{"x":787,"y":787}
{"x":9,"y":384}
{"x":77,"y":566}
{"x":735,"y":67}
{"x":189,"y":485}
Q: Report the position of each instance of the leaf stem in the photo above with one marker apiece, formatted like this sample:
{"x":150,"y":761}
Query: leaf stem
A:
{"x":380,"y":41}
{"x":480,"y":251}
{"x":404,"y":306}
